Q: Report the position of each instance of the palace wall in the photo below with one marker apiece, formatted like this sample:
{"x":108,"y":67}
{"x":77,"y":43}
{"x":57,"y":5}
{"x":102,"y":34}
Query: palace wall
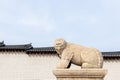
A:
{"x":21,"y":66}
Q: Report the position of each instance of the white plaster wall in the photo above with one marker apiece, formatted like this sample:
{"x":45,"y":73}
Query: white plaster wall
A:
{"x":20,"y":66}
{"x":23,"y":67}
{"x":113,"y":68}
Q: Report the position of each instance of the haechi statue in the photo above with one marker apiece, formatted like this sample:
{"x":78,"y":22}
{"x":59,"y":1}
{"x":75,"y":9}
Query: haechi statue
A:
{"x":77,"y":54}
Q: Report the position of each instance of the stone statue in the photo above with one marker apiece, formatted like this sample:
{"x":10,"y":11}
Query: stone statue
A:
{"x":77,"y":54}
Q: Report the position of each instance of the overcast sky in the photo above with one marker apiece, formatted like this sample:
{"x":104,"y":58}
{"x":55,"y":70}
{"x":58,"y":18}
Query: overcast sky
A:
{"x":93,"y":23}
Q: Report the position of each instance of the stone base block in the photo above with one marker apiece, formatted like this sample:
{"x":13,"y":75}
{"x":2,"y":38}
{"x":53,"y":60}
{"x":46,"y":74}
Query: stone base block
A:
{"x":81,"y":74}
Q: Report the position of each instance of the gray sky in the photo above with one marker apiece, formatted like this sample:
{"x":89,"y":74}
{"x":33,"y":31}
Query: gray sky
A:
{"x":93,"y":23}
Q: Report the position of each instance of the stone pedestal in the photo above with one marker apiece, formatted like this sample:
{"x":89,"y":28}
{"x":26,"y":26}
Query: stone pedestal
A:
{"x":81,"y":74}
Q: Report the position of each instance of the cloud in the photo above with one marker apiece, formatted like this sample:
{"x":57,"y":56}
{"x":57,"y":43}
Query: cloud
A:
{"x":90,"y":23}
{"x":85,"y":19}
{"x":1,"y":36}
{"x":25,"y":16}
{"x":45,"y":22}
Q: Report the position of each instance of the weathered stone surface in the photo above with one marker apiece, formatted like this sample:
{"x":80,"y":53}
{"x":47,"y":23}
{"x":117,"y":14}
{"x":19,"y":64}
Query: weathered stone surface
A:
{"x":78,"y":55}
{"x":81,"y":74}
{"x":90,"y":60}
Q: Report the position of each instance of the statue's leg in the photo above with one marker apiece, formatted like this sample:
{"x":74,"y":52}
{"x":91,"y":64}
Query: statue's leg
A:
{"x":87,"y":65}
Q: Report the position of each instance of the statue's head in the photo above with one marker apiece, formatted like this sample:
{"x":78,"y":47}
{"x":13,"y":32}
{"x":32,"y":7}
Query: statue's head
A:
{"x":60,"y":45}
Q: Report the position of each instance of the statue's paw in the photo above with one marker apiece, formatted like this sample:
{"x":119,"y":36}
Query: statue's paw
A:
{"x":87,"y":65}
{"x":84,"y":65}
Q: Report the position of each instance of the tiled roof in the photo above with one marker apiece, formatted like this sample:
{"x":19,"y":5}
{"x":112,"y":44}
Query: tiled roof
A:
{"x":52,"y":50}
{"x":42,"y":49}
{"x":31,"y":50}
{"x":111,"y":54}
{"x":2,"y":44}
{"x":14,"y":47}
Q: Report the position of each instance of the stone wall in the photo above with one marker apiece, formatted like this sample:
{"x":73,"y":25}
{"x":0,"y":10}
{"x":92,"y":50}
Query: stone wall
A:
{"x":20,"y":66}
{"x":113,"y":67}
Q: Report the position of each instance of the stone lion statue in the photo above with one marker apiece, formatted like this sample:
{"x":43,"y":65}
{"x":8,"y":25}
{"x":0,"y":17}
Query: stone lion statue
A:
{"x":77,"y":54}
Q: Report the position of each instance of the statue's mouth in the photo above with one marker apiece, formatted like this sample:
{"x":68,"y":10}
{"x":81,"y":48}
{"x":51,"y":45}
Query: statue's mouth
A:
{"x":57,"y":47}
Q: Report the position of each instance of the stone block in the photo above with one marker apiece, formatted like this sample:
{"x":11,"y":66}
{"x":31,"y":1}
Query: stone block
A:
{"x":81,"y":74}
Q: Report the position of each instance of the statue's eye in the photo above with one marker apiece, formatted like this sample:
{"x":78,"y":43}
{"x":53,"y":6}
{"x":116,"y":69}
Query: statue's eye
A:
{"x":58,"y":43}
